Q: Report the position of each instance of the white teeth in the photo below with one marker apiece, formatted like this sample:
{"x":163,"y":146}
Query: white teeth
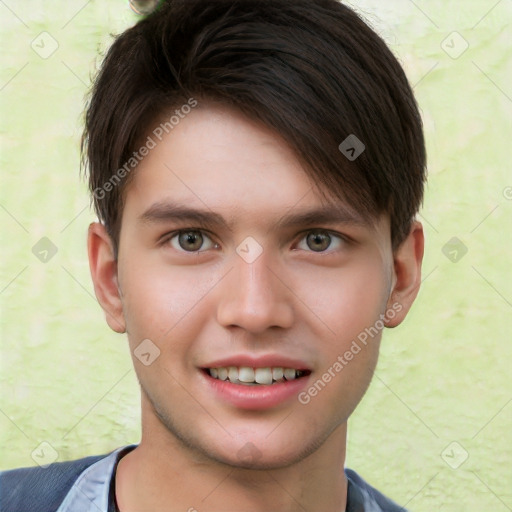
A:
{"x":263,"y":375}
{"x":289,"y":373}
{"x":277,"y":373}
{"x":246,"y":374}
{"x":255,"y":376}
{"x":233,"y":373}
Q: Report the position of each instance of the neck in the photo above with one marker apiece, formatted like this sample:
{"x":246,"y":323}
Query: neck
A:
{"x":163,"y":474}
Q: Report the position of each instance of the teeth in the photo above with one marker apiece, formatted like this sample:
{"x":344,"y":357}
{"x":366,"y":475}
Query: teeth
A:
{"x":246,"y":374}
{"x":263,"y":375}
{"x":289,"y":373}
{"x":255,"y":376}
{"x":277,"y":373}
{"x":233,"y":373}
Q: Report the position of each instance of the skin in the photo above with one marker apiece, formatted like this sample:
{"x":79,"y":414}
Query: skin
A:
{"x":301,"y":299}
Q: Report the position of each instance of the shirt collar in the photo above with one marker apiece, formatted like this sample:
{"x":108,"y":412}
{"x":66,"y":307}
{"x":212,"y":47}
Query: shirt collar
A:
{"x":91,"y":489}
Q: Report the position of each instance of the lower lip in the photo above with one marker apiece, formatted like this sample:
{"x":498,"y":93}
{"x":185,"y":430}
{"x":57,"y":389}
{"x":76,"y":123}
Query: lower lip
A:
{"x":256,"y":397}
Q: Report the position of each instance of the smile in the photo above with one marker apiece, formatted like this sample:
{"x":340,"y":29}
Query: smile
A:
{"x":255,"y":388}
{"x":245,"y":375}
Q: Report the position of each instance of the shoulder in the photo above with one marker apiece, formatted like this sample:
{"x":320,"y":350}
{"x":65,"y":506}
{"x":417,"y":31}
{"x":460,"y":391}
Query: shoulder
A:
{"x":369,"y":498}
{"x":40,"y":489}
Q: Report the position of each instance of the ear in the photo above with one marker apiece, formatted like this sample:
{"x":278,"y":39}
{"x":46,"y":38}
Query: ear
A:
{"x":407,"y":261}
{"x":103,"y":266}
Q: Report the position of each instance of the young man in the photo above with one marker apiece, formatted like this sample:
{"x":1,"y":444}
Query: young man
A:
{"x":256,"y":167}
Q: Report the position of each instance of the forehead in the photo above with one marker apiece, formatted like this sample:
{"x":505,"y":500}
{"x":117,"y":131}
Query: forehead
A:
{"x":213,"y":143}
{"x":216,"y":159}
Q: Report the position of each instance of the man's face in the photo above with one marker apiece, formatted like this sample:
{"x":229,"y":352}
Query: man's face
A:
{"x":255,"y":292}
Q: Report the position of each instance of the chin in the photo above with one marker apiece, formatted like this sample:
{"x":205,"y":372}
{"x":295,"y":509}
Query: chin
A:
{"x":263,"y":452}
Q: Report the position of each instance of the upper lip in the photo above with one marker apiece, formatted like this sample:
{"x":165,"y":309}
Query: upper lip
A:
{"x":262,"y":361}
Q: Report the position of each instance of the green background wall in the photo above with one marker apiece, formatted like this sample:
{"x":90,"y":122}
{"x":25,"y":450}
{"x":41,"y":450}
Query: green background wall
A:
{"x":442,"y":391}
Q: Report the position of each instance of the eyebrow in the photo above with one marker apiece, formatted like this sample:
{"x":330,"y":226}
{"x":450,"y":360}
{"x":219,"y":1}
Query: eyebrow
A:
{"x":165,"y":211}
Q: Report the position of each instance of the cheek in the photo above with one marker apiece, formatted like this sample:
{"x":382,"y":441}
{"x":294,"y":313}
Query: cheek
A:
{"x":160,"y":303}
{"x":350,"y":304}
{"x":346,"y":300}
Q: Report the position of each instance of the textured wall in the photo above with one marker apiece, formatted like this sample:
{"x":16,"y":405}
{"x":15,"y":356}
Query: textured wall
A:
{"x":442,"y":391}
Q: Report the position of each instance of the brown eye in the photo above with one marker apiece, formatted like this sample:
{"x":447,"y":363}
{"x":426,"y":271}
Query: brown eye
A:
{"x":318,"y":241}
{"x":190,"y":240}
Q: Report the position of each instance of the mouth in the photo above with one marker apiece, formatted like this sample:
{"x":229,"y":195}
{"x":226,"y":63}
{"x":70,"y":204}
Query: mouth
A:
{"x":257,"y":387}
{"x":249,"y":376}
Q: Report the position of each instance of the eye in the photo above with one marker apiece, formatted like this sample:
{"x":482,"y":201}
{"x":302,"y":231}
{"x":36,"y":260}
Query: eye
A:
{"x":191,"y":240}
{"x":320,"y":240}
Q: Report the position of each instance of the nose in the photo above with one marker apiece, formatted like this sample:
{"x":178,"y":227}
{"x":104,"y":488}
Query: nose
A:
{"x":254,"y":297}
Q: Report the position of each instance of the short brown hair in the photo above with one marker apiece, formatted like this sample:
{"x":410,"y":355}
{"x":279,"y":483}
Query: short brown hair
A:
{"x":312,"y":70}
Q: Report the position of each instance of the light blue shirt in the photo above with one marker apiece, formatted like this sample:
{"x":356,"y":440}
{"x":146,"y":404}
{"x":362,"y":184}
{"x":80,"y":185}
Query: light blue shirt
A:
{"x":90,"y":492}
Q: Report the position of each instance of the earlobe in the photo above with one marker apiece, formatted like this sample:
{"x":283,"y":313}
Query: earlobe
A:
{"x":407,"y":272}
{"x":103,"y":267}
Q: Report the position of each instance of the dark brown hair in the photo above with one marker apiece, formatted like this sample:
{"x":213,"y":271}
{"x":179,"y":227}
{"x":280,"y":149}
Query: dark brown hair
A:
{"x":311,"y":70}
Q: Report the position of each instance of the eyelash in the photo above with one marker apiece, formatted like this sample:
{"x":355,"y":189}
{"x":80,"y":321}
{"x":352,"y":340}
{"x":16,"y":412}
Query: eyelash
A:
{"x":343,"y":239}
